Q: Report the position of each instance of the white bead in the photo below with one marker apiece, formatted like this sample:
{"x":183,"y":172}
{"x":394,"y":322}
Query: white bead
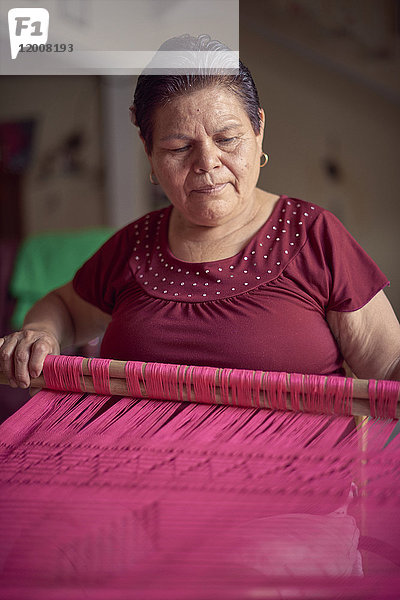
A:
{"x":258,"y":277}
{"x":245,"y":258}
{"x":182,"y":283}
{"x":231,"y":267}
{"x":245,"y":284}
{"x":286,"y":252}
{"x":218,"y":281}
{"x":245,"y":272}
{"x":300,"y":222}
{"x":265,"y":255}
{"x":206,"y":283}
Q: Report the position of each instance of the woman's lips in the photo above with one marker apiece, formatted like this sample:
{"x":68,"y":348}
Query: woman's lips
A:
{"x":211,"y":190}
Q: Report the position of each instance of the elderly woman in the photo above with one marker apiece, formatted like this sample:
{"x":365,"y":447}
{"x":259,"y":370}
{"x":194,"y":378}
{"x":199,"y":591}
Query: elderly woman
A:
{"x":228,"y":275}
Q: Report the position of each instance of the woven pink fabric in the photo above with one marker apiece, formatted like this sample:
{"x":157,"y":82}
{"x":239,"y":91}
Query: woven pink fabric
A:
{"x":141,"y":499}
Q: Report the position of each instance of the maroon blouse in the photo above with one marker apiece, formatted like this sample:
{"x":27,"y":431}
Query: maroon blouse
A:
{"x":264,"y":308}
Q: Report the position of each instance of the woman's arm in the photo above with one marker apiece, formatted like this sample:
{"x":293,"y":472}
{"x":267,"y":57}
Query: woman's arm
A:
{"x":369,"y":339}
{"x":58,"y":320}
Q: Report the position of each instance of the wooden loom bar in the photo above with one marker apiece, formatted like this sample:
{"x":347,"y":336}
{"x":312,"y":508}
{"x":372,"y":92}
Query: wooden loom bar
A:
{"x":118,"y":386}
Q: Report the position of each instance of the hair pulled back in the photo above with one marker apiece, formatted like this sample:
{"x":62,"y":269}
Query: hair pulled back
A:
{"x":154,"y":91}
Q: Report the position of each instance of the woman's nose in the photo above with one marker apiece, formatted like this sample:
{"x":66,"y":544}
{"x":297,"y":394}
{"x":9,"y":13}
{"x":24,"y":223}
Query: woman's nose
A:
{"x":206,"y":158}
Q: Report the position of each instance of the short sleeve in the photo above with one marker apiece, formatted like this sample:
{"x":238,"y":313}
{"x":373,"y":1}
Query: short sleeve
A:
{"x":343,"y":275}
{"x":103,"y":275}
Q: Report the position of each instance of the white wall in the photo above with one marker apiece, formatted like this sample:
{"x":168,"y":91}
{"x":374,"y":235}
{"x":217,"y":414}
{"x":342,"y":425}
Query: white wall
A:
{"x":316,"y":111}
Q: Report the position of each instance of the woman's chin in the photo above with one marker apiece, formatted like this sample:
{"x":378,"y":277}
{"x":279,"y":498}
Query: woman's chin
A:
{"x":211,"y":210}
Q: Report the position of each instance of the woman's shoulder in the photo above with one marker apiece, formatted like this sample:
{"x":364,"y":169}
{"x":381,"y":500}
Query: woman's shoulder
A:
{"x":309,"y":217}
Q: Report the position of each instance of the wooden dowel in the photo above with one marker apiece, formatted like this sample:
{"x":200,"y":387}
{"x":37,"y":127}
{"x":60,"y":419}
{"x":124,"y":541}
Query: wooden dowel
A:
{"x":118,"y":387}
{"x":117,"y":370}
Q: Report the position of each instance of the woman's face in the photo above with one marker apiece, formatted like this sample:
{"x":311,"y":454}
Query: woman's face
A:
{"x":206,"y":156}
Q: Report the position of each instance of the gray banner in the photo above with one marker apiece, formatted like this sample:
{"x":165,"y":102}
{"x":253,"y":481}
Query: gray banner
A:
{"x":107,"y":37}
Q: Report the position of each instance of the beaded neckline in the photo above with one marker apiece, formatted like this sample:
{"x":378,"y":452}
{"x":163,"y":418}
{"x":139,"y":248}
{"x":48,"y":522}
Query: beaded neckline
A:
{"x":276,"y":243}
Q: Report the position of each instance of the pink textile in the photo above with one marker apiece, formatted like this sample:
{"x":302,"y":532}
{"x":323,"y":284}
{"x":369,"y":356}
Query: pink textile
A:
{"x":262,"y":309}
{"x":142,"y":499}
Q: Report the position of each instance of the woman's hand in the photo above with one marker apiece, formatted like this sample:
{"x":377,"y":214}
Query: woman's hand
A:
{"x":58,"y":320}
{"x":22,"y":355}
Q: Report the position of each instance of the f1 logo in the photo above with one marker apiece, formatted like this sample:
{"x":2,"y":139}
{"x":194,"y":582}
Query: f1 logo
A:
{"x":27,"y":25}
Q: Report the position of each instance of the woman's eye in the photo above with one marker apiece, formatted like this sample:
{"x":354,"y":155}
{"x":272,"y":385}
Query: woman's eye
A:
{"x":183,"y":149}
{"x":226,"y":140}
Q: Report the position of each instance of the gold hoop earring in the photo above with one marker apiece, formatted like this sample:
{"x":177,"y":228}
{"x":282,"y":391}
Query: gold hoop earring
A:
{"x":264,"y":159}
{"x":152,"y":180}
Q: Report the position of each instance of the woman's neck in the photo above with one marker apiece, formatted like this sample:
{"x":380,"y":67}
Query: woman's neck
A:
{"x":194,"y":243}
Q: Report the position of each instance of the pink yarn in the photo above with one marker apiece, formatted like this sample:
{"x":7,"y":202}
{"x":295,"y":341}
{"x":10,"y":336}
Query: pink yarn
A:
{"x":133,"y":373}
{"x":63,"y":373}
{"x":99,"y":369}
{"x":148,"y":500}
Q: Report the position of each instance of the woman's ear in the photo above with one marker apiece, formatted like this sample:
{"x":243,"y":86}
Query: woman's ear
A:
{"x":262,"y":122}
{"x":260,"y":135}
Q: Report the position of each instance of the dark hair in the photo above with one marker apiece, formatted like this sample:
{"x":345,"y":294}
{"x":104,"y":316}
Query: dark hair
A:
{"x":153,"y":91}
